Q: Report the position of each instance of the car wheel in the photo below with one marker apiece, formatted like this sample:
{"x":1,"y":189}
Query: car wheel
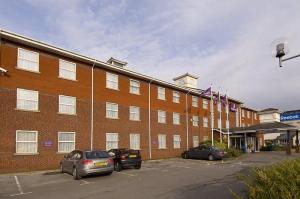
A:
{"x":211,"y":157}
{"x":118,"y":167}
{"x":138,"y":166}
{"x":62,"y":168}
{"x":76,"y":175}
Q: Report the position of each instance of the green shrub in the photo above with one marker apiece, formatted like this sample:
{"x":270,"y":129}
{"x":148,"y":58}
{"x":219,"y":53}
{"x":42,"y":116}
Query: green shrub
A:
{"x":280,"y":181}
{"x":220,"y":145}
{"x":231,"y":153}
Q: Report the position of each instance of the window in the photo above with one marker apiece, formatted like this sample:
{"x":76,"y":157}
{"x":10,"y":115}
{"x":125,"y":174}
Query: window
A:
{"x":176,"y":118}
{"x":195,"y":120}
{"x":219,"y":124}
{"x":135,"y":141}
{"x":161,"y":116}
{"x":28,"y":60}
{"x":112,"y":81}
{"x":112,"y":140}
{"x":205,"y":138}
{"x":27,"y":99}
{"x":162,"y":141}
{"x":161,"y":93}
{"x":67,"y":104}
{"x":248,"y":114}
{"x":226,"y":108}
{"x":134,"y":87}
{"x":134,"y":113}
{"x":205,"y":122}
{"x":237,"y":118}
{"x":67,"y":70}
{"x":255,"y":116}
{"x":176,"y":97}
{"x":219,"y":107}
{"x":176,"y":141}
{"x":205,"y":104}
{"x":227,"y":124}
{"x":194,"y":101}
{"x":243,"y":113}
{"x":26,"y":142}
{"x":66,"y":142}
{"x":112,"y":110}
{"x":195,"y":141}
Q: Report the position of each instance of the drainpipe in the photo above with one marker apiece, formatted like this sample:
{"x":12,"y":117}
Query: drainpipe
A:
{"x":92,"y":107}
{"x":149,"y":120}
{"x":187,"y":121}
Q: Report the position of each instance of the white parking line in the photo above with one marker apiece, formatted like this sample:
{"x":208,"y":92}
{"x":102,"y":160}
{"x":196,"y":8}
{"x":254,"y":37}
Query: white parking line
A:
{"x":128,"y":174}
{"x":84,"y":182}
{"x":19,"y":188}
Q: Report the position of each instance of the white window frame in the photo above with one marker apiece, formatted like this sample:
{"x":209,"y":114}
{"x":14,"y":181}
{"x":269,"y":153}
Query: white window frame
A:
{"x":58,"y":141}
{"x":116,"y":142}
{"x":162,"y":143}
{"x":176,"y":97}
{"x":133,"y":87}
{"x":194,"y":101}
{"x":112,"y":110}
{"x":35,"y":100}
{"x":135,"y":141}
{"x":161,"y":116}
{"x":176,"y":118}
{"x":114,"y":81}
{"x":205,"y":103}
{"x":32,"y":61}
{"x":132,"y":110}
{"x":205,"y":122}
{"x":161,"y":93}
{"x":176,"y":141}
{"x":60,"y":104}
{"x":195,"y":120}
{"x":195,"y":141}
{"x":67,"y":68}
{"x":36,"y":142}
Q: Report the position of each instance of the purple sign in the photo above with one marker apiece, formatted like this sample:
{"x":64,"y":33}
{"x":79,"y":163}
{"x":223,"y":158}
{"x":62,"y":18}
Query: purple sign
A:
{"x":48,"y":143}
{"x":233,"y":107}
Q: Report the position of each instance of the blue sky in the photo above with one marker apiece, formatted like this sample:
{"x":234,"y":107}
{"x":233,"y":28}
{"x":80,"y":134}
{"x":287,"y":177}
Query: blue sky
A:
{"x":226,"y":43}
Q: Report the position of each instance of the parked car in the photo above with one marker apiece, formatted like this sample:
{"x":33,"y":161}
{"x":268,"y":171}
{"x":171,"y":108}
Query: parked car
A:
{"x":126,"y":158}
{"x":82,"y":163}
{"x":203,"y":152}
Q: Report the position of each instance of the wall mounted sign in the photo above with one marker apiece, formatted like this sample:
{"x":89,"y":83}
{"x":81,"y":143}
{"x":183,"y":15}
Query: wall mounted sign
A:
{"x":233,"y":107}
{"x":290,"y":117}
{"x":48,"y":143}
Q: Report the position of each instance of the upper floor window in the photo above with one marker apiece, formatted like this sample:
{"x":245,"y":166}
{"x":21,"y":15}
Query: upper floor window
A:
{"x":112,"y":81}
{"x":243,"y":113}
{"x":205,"y":122}
{"x":134,"y":87}
{"x":161,"y":93}
{"x":67,"y":70}
{"x":255,"y":116}
{"x":248,"y":114}
{"x":195,"y":120}
{"x":27,"y":99}
{"x":112,"y":110}
{"x":205,"y":104}
{"x":26,"y":141}
{"x":176,"y":118}
{"x":28,"y":60}
{"x":194,"y":101}
{"x":134,"y":113}
{"x":176,"y":97}
{"x":161,"y":116}
{"x":67,"y":104}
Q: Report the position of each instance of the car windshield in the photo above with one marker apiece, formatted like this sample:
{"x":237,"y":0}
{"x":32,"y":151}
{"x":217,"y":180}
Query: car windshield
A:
{"x":96,"y":154}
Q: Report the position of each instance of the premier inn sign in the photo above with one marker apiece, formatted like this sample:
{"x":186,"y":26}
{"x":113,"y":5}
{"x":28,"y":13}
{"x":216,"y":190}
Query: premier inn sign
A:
{"x":290,"y":117}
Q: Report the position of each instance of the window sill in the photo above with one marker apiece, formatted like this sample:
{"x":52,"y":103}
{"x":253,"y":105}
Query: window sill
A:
{"x":135,"y":93}
{"x":161,"y":99}
{"x":116,"y":89}
{"x":32,"y":71}
{"x":161,"y":122}
{"x":162,"y":149}
{"x":62,"y":153}
{"x":21,"y":154}
{"x":112,"y":118}
{"x":26,"y":110}
{"x":67,"y":114}
{"x":64,"y":78}
{"x":135,"y":120}
{"x":176,"y":102}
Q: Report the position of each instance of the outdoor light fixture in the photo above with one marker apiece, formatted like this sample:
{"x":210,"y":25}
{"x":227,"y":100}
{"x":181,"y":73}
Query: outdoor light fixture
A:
{"x":281,"y":49}
{"x":3,"y":71}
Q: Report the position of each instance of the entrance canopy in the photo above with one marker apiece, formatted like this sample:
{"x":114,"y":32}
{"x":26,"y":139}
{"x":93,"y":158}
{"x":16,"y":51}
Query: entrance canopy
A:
{"x":269,"y":127}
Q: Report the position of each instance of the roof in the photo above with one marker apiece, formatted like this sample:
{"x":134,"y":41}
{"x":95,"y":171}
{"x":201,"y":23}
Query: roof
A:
{"x":284,"y":136}
{"x":93,"y":61}
{"x":269,"y":110}
{"x":116,"y":60}
{"x":290,"y":112}
{"x":186,"y":74}
{"x":270,"y":126}
{"x":251,"y":109}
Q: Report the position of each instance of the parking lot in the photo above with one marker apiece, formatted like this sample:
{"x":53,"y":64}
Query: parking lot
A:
{"x":170,"y":178}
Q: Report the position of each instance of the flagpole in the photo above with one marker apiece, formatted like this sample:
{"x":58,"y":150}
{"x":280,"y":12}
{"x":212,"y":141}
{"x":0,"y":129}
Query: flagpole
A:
{"x":220,"y":112}
{"x":212,"y":115}
{"x":227,"y":117}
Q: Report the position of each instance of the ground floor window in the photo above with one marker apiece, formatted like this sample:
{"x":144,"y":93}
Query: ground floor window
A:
{"x":162,"y":141}
{"x":112,"y":140}
{"x":205,"y":138}
{"x":66,"y":142}
{"x":135,"y":141}
{"x":195,"y":141}
{"x":176,"y":141}
{"x":26,"y":141}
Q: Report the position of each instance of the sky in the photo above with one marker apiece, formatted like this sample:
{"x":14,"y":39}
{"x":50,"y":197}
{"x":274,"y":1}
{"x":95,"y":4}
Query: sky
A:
{"x":227,"y":44}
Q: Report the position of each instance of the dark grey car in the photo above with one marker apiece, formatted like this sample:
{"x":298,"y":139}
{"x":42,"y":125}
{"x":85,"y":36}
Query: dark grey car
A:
{"x":203,"y":152}
{"x":82,"y":163}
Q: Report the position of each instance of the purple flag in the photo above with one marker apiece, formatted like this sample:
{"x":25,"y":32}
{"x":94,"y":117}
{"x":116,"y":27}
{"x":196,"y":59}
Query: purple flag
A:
{"x":207,"y":92}
{"x":216,"y":98}
{"x":233,"y":107}
{"x":224,"y":100}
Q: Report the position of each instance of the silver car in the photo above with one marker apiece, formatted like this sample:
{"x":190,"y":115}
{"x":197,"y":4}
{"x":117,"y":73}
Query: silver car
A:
{"x":82,"y":163}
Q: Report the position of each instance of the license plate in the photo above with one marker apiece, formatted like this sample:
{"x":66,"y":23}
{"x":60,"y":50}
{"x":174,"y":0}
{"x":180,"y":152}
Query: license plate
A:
{"x":132,"y":156}
{"x":100,"y":164}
